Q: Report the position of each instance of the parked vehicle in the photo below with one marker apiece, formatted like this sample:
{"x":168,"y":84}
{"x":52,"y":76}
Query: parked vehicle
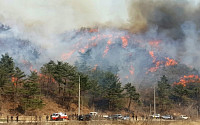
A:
{"x":84,"y":117}
{"x":157,"y":116}
{"x":93,"y":113}
{"x":59,"y":116}
{"x":80,"y":117}
{"x":106,"y":116}
{"x":184,"y":117}
{"x":116,"y":116}
{"x":87,"y":117}
{"x":126,"y":118}
{"x":167,"y":117}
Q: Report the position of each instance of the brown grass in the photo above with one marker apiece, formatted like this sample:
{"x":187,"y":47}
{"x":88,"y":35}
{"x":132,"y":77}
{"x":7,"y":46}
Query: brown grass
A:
{"x":109,"y":123}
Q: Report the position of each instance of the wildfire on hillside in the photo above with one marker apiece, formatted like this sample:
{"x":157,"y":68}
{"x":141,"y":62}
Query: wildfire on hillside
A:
{"x":170,"y":62}
{"x":188,"y":79}
{"x":141,"y":39}
{"x":167,"y":62}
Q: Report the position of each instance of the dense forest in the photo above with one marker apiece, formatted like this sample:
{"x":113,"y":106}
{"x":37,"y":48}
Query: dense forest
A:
{"x":100,"y":89}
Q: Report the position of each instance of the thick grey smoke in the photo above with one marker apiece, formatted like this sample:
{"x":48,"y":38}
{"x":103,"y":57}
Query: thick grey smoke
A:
{"x":178,"y":20}
{"x":43,"y":30}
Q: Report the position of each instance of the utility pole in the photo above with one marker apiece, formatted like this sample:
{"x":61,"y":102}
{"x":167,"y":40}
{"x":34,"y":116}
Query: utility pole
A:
{"x":197,"y":102}
{"x":150,"y":109}
{"x":197,"y":112}
{"x":154,"y":99}
{"x":79,"y":96}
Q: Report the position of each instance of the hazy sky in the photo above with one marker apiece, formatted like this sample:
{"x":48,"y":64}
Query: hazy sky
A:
{"x":39,"y":20}
{"x":60,"y":15}
{"x":56,"y":16}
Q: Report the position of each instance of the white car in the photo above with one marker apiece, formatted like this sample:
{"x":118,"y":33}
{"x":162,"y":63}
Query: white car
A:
{"x":116,"y":116}
{"x":184,"y":117}
{"x":157,"y":116}
{"x":93,"y":113}
{"x":126,"y":118}
{"x":59,"y":116}
{"x":168,"y":117}
{"x":105,"y":116}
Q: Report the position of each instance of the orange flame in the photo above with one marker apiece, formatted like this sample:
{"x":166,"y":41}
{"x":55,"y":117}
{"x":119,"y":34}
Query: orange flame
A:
{"x":151,"y":53}
{"x":106,"y":51}
{"x":107,"y":48}
{"x":31,"y":69}
{"x":154,"y":43}
{"x":14,"y":80}
{"x":82,"y":50}
{"x":132,"y":70}
{"x":46,"y":78}
{"x":153,"y":69}
{"x":170,"y":62}
{"x":93,"y":30}
{"x":66,"y":56}
{"x":124,"y":42}
{"x":95,"y":67}
{"x":87,"y":46}
{"x":188,"y":79}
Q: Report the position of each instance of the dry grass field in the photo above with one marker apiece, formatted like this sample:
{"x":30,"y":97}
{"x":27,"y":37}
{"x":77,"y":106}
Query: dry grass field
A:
{"x":74,"y":122}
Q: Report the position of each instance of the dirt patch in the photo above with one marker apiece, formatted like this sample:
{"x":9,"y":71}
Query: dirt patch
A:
{"x":50,"y":106}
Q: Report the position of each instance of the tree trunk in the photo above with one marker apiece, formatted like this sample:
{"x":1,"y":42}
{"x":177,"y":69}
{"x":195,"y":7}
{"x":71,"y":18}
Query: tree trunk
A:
{"x":129,"y":104}
{"x":59,"y":88}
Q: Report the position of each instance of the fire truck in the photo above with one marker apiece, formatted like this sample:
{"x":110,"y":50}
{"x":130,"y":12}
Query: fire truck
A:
{"x":59,"y":116}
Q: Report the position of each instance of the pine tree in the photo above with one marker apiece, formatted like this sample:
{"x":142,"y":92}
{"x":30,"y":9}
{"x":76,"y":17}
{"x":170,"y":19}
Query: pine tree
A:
{"x":47,"y":81}
{"x":131,"y":94}
{"x":6,"y":73}
{"x":8,"y":80}
{"x":30,"y":93}
{"x":18,"y":78}
{"x":6,"y":69}
{"x":7,"y":64}
{"x":180,"y":95}
{"x":112,"y":91}
{"x":164,"y":93}
{"x":3,"y":77}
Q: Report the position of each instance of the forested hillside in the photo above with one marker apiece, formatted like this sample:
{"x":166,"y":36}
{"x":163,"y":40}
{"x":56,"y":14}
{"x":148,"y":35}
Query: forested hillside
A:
{"x":100,"y":90}
{"x":59,"y":81}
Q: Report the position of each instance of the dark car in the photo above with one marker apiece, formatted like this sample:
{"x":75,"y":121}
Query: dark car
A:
{"x":116,"y":117}
{"x":80,"y":117}
{"x":87,"y":117}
